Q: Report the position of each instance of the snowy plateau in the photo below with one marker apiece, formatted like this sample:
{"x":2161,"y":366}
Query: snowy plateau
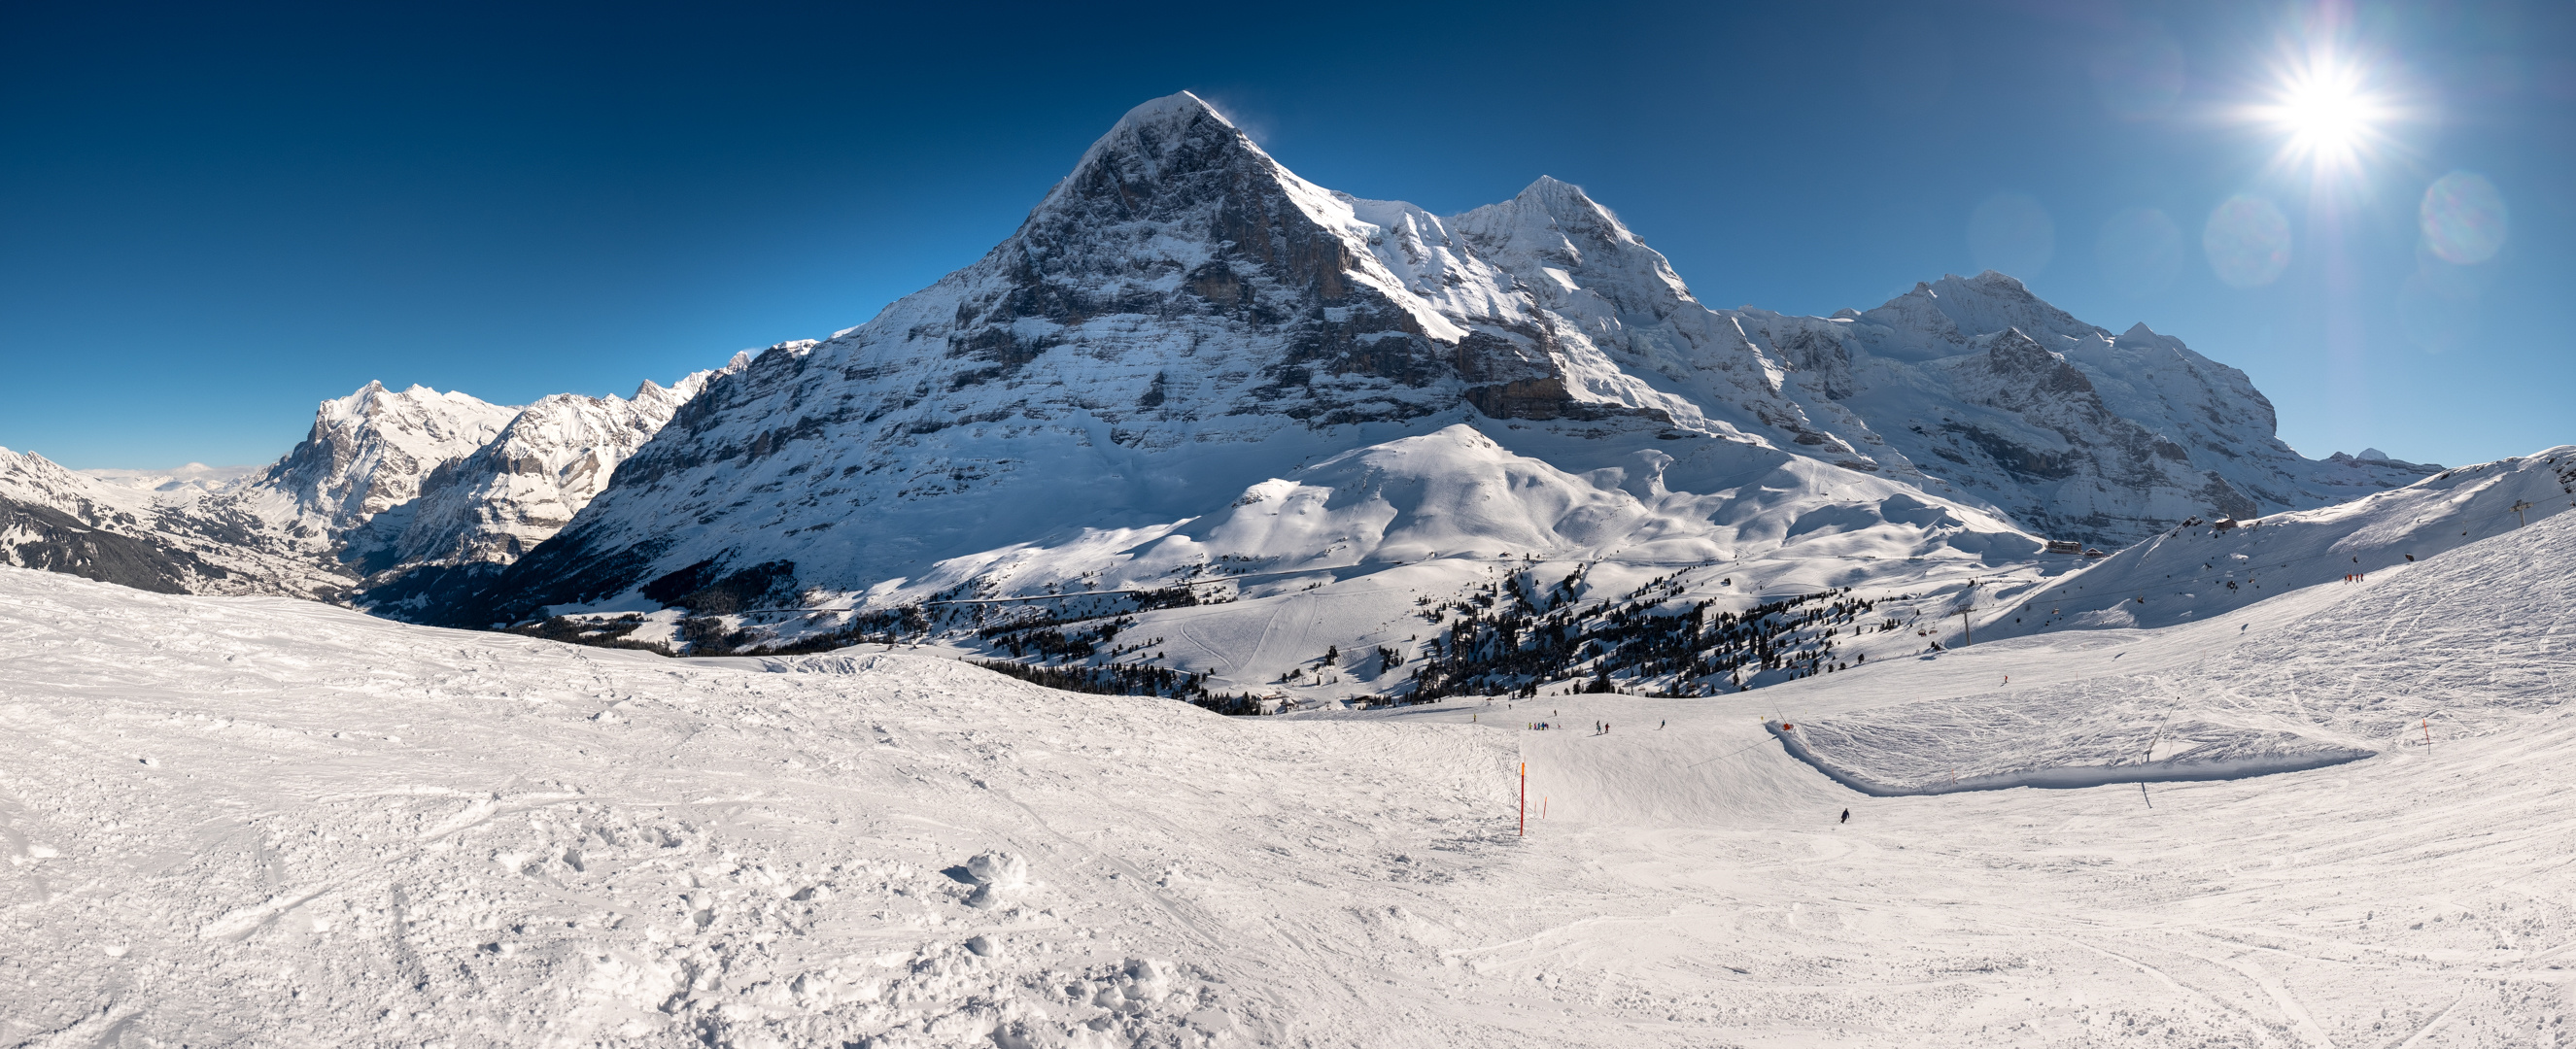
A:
{"x":1948,"y":673}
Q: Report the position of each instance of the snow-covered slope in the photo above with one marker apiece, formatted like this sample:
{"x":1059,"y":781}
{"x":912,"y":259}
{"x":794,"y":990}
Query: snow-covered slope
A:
{"x":260,"y":821}
{"x":163,"y":537}
{"x":2209,"y":568}
{"x":57,"y":520}
{"x":1366,"y":553}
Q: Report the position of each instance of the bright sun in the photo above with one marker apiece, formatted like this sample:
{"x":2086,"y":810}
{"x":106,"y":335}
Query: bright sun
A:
{"x":2324,"y":114}
{"x":2329,"y":115}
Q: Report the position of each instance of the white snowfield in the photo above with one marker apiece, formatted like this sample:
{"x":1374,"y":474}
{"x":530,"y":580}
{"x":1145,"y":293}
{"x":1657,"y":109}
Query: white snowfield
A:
{"x":1339,"y":556}
{"x":2212,"y":568}
{"x":255,"y":821}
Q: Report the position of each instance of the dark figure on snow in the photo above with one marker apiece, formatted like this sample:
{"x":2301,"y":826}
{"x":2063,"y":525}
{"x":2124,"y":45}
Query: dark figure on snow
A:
{"x":1846,"y":817}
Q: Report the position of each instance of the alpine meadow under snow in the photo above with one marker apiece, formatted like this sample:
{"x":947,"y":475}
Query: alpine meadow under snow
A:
{"x":877,"y":690}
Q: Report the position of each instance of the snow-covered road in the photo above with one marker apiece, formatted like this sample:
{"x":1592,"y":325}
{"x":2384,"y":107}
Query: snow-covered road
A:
{"x":255,"y":821}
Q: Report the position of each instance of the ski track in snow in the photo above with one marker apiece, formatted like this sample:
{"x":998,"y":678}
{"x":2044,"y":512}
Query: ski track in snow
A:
{"x":254,"y":821}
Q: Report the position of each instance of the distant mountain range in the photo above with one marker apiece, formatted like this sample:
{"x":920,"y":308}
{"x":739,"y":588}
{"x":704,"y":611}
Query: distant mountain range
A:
{"x":1192,"y":369}
{"x":392,"y":489}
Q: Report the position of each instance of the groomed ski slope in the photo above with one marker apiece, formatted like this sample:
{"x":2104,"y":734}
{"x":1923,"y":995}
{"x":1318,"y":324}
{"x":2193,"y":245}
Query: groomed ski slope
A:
{"x":256,"y":821}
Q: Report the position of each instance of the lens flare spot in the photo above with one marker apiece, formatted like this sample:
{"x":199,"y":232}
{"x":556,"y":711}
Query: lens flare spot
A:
{"x":2012,"y":233}
{"x":2464,"y":218}
{"x":2248,"y":241}
{"x":2140,"y":250}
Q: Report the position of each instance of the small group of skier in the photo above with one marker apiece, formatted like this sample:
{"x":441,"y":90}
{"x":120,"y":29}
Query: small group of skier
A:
{"x":2355,"y":577}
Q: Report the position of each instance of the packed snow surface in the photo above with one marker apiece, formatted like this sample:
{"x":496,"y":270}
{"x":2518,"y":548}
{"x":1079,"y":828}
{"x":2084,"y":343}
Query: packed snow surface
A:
{"x":255,"y":820}
{"x":2207,"y":568}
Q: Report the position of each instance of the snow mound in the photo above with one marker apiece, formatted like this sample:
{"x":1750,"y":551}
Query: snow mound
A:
{"x":1344,"y":556}
{"x":1938,"y":748}
{"x":2211,"y":568}
{"x":2460,"y":647}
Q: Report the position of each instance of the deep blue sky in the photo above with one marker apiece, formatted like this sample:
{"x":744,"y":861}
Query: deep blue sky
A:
{"x":212,"y":217}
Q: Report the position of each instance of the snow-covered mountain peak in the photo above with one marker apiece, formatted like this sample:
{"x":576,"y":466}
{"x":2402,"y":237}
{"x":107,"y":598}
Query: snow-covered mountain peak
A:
{"x":369,"y":452}
{"x":386,"y":479}
{"x":1553,"y":235}
{"x":531,"y":478}
{"x":2140,"y":333}
{"x":1941,"y":318}
{"x":32,"y":478}
{"x":1156,"y":119}
{"x":1181,"y":318}
{"x":678,"y":393}
{"x":433,"y":411}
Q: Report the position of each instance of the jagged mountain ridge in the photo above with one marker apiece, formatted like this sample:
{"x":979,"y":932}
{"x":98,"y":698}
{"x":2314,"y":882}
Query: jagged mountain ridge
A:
{"x":368,"y":454}
{"x":524,"y":483}
{"x":386,"y":486}
{"x":479,"y":513}
{"x":1182,"y":318}
{"x":2069,"y":428}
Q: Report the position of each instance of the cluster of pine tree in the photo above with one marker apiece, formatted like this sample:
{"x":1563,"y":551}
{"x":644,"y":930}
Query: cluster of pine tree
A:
{"x":888,"y":626}
{"x":1115,"y":679}
{"x":1515,"y":634}
{"x":598,"y":633}
{"x":1048,"y":640}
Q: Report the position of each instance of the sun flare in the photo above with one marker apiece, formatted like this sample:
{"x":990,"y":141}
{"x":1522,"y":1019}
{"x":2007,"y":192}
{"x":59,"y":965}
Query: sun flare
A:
{"x":2328,"y":113}
{"x":2324,"y":114}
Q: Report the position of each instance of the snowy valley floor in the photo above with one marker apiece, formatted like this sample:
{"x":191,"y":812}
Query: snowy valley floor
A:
{"x":253,"y":821}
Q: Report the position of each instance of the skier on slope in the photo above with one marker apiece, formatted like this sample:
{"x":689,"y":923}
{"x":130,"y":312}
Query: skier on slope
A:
{"x":1846,"y":817}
